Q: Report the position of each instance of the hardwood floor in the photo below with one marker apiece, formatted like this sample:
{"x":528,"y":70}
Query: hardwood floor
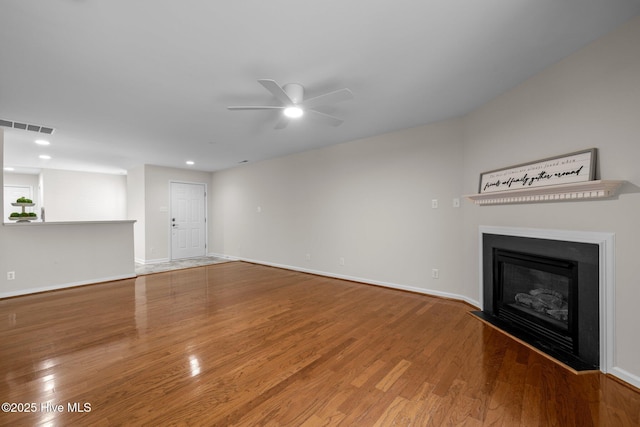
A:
{"x":242,"y":344}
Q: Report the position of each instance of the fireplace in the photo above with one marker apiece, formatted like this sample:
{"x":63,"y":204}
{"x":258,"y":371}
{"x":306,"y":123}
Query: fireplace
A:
{"x":544,"y":292}
{"x":537,"y":293}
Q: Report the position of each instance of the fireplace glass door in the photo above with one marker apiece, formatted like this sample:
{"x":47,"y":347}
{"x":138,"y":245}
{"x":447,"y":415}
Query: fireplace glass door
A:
{"x":537,"y":294}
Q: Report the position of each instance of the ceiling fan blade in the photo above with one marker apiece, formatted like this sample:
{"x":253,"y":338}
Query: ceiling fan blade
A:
{"x":325,"y":118}
{"x":276,"y":91}
{"x":256,"y":107}
{"x":328,"y":98}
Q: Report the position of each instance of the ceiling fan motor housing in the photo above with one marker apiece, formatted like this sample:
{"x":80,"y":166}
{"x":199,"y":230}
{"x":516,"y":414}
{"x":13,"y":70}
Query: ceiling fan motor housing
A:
{"x":295,"y":91}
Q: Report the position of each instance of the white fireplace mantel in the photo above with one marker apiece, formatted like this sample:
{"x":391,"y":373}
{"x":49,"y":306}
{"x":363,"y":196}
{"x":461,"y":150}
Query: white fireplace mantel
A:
{"x":553,"y":193}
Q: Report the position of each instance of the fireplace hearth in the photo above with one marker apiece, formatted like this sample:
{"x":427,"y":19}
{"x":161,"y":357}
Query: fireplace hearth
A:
{"x":546,"y":293}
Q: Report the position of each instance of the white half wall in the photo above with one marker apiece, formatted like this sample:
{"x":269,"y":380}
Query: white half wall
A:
{"x":47,"y":256}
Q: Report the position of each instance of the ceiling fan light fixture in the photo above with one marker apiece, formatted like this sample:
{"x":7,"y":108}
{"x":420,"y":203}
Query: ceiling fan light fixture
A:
{"x":293,"y":105}
{"x":293,"y":112}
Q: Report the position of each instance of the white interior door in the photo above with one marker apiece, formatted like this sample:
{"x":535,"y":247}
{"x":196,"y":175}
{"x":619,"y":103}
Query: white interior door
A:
{"x":188,"y":220}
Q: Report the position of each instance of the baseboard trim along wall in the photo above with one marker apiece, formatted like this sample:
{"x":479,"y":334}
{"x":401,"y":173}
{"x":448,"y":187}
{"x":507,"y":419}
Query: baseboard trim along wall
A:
{"x":357,"y":279}
{"x":151,"y":261}
{"x":95,"y":281}
{"x":625,"y":376}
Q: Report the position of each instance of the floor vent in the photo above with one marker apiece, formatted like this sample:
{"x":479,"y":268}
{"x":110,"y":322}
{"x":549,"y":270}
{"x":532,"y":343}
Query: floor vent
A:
{"x":27,"y":126}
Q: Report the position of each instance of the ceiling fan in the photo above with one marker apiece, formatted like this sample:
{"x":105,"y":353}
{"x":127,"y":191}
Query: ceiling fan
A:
{"x":294,"y":105}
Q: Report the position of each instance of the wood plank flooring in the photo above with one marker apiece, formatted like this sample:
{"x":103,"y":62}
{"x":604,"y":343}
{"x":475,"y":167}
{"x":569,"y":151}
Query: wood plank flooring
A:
{"x":239,"y":344}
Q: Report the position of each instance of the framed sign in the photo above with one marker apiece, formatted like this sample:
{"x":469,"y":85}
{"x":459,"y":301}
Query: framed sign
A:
{"x":565,"y":169}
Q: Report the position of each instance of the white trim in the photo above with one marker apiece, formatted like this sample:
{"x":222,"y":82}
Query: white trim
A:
{"x":223,"y":256}
{"x":66,"y":285}
{"x":47,"y":224}
{"x":357,"y":279}
{"x":625,"y":376}
{"x":606,"y":244}
{"x":550,"y":193}
{"x":151,"y":261}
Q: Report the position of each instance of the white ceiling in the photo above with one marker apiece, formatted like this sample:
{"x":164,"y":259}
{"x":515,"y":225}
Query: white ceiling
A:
{"x":131,"y":82}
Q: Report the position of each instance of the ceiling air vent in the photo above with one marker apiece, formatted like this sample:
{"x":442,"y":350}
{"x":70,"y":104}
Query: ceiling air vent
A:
{"x":27,"y":126}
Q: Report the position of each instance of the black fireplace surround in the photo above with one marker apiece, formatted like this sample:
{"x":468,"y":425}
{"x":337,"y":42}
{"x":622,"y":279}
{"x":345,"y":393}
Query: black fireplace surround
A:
{"x":546,"y":293}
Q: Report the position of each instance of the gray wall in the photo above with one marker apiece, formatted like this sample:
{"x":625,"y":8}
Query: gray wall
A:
{"x":366,"y":201}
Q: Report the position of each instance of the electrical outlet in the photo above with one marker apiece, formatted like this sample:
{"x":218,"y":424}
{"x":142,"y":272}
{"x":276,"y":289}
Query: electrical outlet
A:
{"x":434,"y":204}
{"x":341,"y":260}
{"x":11,"y":275}
{"x":435,"y":273}
{"x":308,"y":257}
{"x":259,"y":209}
{"x":456,"y":202}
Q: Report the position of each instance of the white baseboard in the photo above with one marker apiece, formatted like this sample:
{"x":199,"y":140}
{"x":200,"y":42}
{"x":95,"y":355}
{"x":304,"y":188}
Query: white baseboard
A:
{"x":223,"y":256}
{"x":64,"y":285}
{"x":359,"y":279}
{"x":151,"y":261}
{"x":628,"y":377}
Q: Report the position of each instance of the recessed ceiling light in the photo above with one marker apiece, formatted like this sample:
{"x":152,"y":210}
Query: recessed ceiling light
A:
{"x":293,"y":112}
{"x":45,"y":156}
{"x":10,"y":169}
{"x":190,"y":162}
{"x":42,"y":142}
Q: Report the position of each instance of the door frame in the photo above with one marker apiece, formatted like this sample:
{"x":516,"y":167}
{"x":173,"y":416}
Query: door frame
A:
{"x":206,"y":215}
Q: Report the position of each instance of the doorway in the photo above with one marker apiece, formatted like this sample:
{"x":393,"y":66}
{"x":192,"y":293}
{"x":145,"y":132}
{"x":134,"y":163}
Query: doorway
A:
{"x":188,"y":220}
